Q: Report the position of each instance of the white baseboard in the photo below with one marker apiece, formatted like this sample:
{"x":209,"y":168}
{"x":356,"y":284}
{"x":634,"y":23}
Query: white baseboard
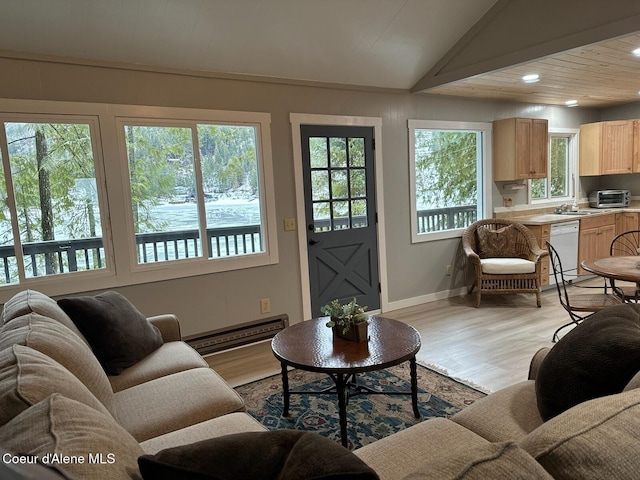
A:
{"x":431,"y":297}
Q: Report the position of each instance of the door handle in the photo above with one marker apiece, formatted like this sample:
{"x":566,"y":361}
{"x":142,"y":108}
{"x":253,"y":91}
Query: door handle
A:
{"x":313,"y":242}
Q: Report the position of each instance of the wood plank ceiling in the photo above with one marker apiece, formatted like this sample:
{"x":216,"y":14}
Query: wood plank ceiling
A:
{"x":598,"y":75}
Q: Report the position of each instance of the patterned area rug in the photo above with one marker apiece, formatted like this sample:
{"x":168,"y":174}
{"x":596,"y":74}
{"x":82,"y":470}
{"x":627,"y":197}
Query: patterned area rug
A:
{"x":370,"y":417}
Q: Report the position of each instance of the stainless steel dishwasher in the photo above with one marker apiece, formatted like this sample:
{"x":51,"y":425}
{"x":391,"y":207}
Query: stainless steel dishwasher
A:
{"x":564,"y":238}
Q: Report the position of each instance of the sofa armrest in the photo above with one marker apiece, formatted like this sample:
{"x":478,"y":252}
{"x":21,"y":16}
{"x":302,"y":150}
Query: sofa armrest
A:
{"x":168,"y":325}
{"x":536,"y":361}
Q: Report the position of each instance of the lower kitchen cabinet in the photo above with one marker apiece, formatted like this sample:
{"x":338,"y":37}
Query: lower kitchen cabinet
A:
{"x":542,"y":234}
{"x":626,"y":221}
{"x":596,"y":234}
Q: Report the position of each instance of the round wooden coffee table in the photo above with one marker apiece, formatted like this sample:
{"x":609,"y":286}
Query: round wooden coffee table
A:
{"x":311,"y":346}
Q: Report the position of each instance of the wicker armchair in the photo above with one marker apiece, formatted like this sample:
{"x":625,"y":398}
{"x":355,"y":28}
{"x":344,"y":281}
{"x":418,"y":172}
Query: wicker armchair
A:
{"x":505,"y":256}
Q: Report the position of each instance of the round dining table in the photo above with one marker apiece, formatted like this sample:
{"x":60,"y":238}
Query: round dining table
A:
{"x":618,"y":268}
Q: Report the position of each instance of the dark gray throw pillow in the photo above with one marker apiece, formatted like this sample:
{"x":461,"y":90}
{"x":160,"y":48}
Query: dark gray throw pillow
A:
{"x":280,"y":454}
{"x":118,"y":333}
{"x":597,"y":358}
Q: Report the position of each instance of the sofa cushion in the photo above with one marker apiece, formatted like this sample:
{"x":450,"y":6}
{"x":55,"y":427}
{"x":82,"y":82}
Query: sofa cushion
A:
{"x":597,"y":439}
{"x":32,"y":301}
{"x":155,"y":365}
{"x":281,"y":454}
{"x":414,"y":448}
{"x":236,"y":422}
{"x":598,"y":357}
{"x":61,"y":426}
{"x":497,"y":243}
{"x":181,"y":399}
{"x":28,"y":377}
{"x":118,"y":333}
{"x":59,"y":343}
{"x":491,"y":461}
{"x":506,"y":415}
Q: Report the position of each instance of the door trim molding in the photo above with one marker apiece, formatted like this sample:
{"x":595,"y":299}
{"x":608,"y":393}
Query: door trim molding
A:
{"x":298,"y":119}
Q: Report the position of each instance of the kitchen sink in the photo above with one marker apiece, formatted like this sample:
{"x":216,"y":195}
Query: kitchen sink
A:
{"x":580,"y":212}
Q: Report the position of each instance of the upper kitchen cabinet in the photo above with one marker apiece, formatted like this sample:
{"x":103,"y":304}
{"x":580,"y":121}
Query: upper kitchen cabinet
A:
{"x":520,"y":148}
{"x":606,"y":147}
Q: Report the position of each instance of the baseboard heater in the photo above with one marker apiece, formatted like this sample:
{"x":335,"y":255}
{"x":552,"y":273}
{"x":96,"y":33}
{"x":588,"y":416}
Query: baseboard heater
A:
{"x":243,"y":334}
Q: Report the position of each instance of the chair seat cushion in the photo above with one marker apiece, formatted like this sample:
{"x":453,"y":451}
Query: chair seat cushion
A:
{"x":507,"y":266}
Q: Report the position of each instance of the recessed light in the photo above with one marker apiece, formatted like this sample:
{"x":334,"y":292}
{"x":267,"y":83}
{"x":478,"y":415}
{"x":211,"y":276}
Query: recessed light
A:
{"x":571,"y":103}
{"x":636,"y":52}
{"x":532,"y":78}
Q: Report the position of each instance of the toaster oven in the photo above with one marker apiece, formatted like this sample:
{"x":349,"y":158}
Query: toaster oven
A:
{"x":609,"y":198}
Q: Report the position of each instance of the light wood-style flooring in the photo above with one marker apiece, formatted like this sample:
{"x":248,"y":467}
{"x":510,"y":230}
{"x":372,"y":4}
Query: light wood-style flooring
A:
{"x":490,"y":346}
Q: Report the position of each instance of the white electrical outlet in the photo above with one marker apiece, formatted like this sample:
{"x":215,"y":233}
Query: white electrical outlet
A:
{"x":448,"y":270}
{"x":265,"y":305}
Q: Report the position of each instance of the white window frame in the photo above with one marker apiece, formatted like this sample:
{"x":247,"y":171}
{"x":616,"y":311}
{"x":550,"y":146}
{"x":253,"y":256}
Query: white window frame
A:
{"x":79,"y":278}
{"x":484,"y":173}
{"x":112,"y":179}
{"x":572,"y":134}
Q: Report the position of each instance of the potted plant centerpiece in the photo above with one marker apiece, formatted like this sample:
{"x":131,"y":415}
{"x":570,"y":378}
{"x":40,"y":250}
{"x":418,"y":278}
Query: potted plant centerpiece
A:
{"x":348,"y":321}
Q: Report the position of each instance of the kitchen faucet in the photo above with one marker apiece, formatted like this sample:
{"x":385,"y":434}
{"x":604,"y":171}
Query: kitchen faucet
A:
{"x":561,"y":208}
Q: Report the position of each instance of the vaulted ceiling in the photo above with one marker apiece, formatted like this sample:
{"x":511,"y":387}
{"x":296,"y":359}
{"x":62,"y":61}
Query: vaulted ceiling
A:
{"x":474,"y":48}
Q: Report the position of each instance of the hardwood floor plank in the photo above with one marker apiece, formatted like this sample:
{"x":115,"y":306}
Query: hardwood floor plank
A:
{"x":490,"y":346}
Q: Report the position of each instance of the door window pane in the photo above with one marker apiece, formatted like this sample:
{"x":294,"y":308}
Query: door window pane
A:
{"x":356,"y":152}
{"x":338,"y":151}
{"x":320,"y":185}
{"x":321,"y":217}
{"x":55,"y":193}
{"x":358,"y":183}
{"x":359,"y":214}
{"x":318,"y":152}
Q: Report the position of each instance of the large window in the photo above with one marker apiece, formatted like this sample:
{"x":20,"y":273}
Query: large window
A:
{"x":558,"y":184}
{"x":193,"y":182}
{"x":51,"y":219}
{"x":448,"y":180}
{"x":96,"y":196}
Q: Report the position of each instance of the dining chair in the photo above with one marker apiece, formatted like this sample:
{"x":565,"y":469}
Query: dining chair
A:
{"x":626,"y":244}
{"x":578,"y":306}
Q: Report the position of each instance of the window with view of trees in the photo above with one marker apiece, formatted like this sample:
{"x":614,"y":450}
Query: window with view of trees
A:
{"x":447,"y":175}
{"x":95,"y":196}
{"x":557,"y":184}
{"x":190,"y":183}
{"x":51,"y":219}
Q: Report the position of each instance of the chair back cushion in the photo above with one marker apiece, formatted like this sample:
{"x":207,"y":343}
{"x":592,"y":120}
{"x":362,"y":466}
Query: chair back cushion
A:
{"x":497,"y":243}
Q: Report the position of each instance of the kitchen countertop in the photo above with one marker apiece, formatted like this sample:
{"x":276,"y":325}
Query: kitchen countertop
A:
{"x":545,"y":218}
